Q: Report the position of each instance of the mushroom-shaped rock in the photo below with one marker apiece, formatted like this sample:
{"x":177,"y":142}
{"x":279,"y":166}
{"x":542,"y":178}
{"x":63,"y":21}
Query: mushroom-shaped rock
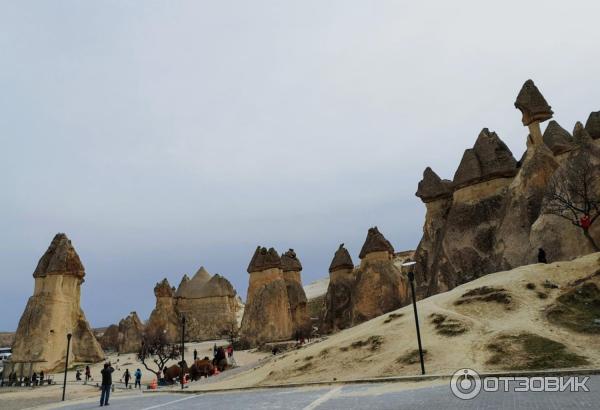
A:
{"x":375,"y":242}
{"x":592,"y":125}
{"x":580,"y":134}
{"x":290,"y":262}
{"x":264,"y":259}
{"x":557,"y":138}
{"x":432,"y":187}
{"x":341,"y":260}
{"x":60,"y":259}
{"x":532,"y":104}
{"x":163,"y":289}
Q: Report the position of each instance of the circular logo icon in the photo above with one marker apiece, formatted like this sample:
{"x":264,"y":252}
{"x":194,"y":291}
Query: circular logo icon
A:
{"x":465,"y":384}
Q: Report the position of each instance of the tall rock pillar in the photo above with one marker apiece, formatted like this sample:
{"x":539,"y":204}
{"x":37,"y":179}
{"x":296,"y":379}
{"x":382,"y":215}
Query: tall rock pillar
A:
{"x":53,"y":311}
{"x":291,"y":267}
{"x":338,"y":299}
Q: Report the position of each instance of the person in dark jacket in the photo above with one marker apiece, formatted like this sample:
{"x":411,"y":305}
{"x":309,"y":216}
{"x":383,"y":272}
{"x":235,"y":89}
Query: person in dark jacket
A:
{"x":138,"y":378}
{"x":126,"y":376}
{"x":106,"y":383}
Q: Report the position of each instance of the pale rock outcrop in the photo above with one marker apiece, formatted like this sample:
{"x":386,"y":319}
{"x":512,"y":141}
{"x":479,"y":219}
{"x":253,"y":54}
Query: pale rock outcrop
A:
{"x":267,"y":315}
{"x":379,"y":286}
{"x":209,"y":304}
{"x":53,"y":311}
{"x":291,"y":267}
{"x":164,"y":318}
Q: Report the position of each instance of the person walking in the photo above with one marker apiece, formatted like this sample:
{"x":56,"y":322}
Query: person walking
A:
{"x":78,"y":375}
{"x":126,"y":376}
{"x":138,"y":378}
{"x":106,"y":383}
{"x":195,"y":354}
{"x":88,"y":373}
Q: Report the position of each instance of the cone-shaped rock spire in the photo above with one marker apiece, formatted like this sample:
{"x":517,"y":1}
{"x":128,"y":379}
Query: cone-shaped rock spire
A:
{"x":341,"y":260}
{"x":182,"y":285}
{"x":375,"y":242}
{"x":264,"y":259}
{"x":532,"y":104}
{"x":557,"y":138}
{"x":432,"y":187}
{"x":163,"y":289}
{"x":60,"y":259}
{"x":290,"y":262}
{"x":580,"y":134}
{"x":592,"y":125}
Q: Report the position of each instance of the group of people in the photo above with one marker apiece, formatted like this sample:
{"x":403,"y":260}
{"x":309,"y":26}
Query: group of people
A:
{"x":106,"y":386}
{"x":34,"y":380}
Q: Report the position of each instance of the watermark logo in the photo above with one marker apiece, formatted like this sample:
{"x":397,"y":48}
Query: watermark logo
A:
{"x":466,"y":384}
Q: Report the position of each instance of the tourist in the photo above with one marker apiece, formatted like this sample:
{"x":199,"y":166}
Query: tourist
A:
{"x":126,"y":376}
{"x":106,"y":383}
{"x":34,"y":379}
{"x":88,"y":374}
{"x":215,"y":350}
{"x":230,"y":351}
{"x":42,"y":378}
{"x":195,"y":354}
{"x":138,"y":378}
{"x":78,"y":375}
{"x":542,"y":256}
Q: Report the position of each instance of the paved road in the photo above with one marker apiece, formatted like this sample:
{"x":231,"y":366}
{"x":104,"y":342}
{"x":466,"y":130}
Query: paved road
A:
{"x":360,"y":396}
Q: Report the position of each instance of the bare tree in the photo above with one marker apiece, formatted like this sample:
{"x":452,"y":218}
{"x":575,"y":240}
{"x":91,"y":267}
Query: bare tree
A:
{"x":574,"y":193}
{"x":156,"y":350}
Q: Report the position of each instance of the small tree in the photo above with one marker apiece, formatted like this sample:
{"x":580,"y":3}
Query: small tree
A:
{"x":157,"y":350}
{"x":574,"y":193}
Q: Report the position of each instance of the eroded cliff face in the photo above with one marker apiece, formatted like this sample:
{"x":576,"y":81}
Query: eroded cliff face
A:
{"x":126,"y":337}
{"x":492,"y":216}
{"x":53,"y":311}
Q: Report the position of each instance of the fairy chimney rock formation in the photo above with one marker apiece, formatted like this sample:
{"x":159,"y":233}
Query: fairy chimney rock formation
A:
{"x":209,"y":304}
{"x":164,"y":318}
{"x":291,"y":267}
{"x":53,"y":311}
{"x":126,"y":337}
{"x":376,"y":246}
{"x":267,"y":315}
{"x":432,"y":187}
{"x":592,"y":125}
{"x":532,"y":104}
{"x":581,"y":135}
{"x":557,"y":138}
{"x":377,"y":275}
{"x":338,"y":299}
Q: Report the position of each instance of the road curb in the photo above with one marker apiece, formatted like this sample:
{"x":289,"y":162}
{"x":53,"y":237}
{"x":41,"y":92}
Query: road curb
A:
{"x":393,"y":379}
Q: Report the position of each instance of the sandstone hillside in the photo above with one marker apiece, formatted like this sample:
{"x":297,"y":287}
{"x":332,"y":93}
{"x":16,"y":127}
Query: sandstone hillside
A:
{"x":532,"y":317}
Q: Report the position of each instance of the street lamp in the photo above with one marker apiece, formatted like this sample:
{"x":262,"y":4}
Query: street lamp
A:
{"x":66,"y":365}
{"x":410,"y":270}
{"x":182,"y":349}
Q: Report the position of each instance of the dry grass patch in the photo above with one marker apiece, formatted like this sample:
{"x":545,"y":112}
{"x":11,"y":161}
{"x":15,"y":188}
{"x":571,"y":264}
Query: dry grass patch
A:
{"x":447,"y":327}
{"x":373,"y":343}
{"x":393,"y":316}
{"x":526,"y":351}
{"x":411,"y":357}
{"x":578,"y":309}
{"x":485,"y":294}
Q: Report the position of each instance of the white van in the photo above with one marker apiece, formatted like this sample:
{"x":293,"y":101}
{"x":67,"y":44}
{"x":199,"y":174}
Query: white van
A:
{"x":5,"y":353}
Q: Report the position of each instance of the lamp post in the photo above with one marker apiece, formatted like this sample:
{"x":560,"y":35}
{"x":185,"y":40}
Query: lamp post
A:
{"x":182,"y":349}
{"x":410,"y":270}
{"x":66,"y":365}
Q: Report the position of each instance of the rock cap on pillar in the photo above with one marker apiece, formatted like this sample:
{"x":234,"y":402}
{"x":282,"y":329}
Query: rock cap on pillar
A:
{"x":592,"y":125}
{"x":580,"y":134}
{"x":375,"y":242}
{"x":290,"y":262}
{"x":341,"y":260}
{"x":60,"y":259}
{"x":557,"y":138}
{"x":432,"y":187}
{"x":264,"y":259}
{"x":532,"y":104}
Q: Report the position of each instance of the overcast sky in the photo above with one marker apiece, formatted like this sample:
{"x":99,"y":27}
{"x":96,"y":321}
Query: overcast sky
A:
{"x":162,"y":136}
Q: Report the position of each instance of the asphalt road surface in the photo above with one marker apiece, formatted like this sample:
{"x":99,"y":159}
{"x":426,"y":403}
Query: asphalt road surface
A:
{"x":357,"y":396}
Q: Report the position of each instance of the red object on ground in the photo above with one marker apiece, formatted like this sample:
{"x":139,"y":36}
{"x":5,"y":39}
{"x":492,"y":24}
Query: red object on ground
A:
{"x":585,"y":222}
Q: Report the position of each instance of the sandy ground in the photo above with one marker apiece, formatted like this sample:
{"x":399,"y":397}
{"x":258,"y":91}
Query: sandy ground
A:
{"x":336,"y":359}
{"x":20,"y":398}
